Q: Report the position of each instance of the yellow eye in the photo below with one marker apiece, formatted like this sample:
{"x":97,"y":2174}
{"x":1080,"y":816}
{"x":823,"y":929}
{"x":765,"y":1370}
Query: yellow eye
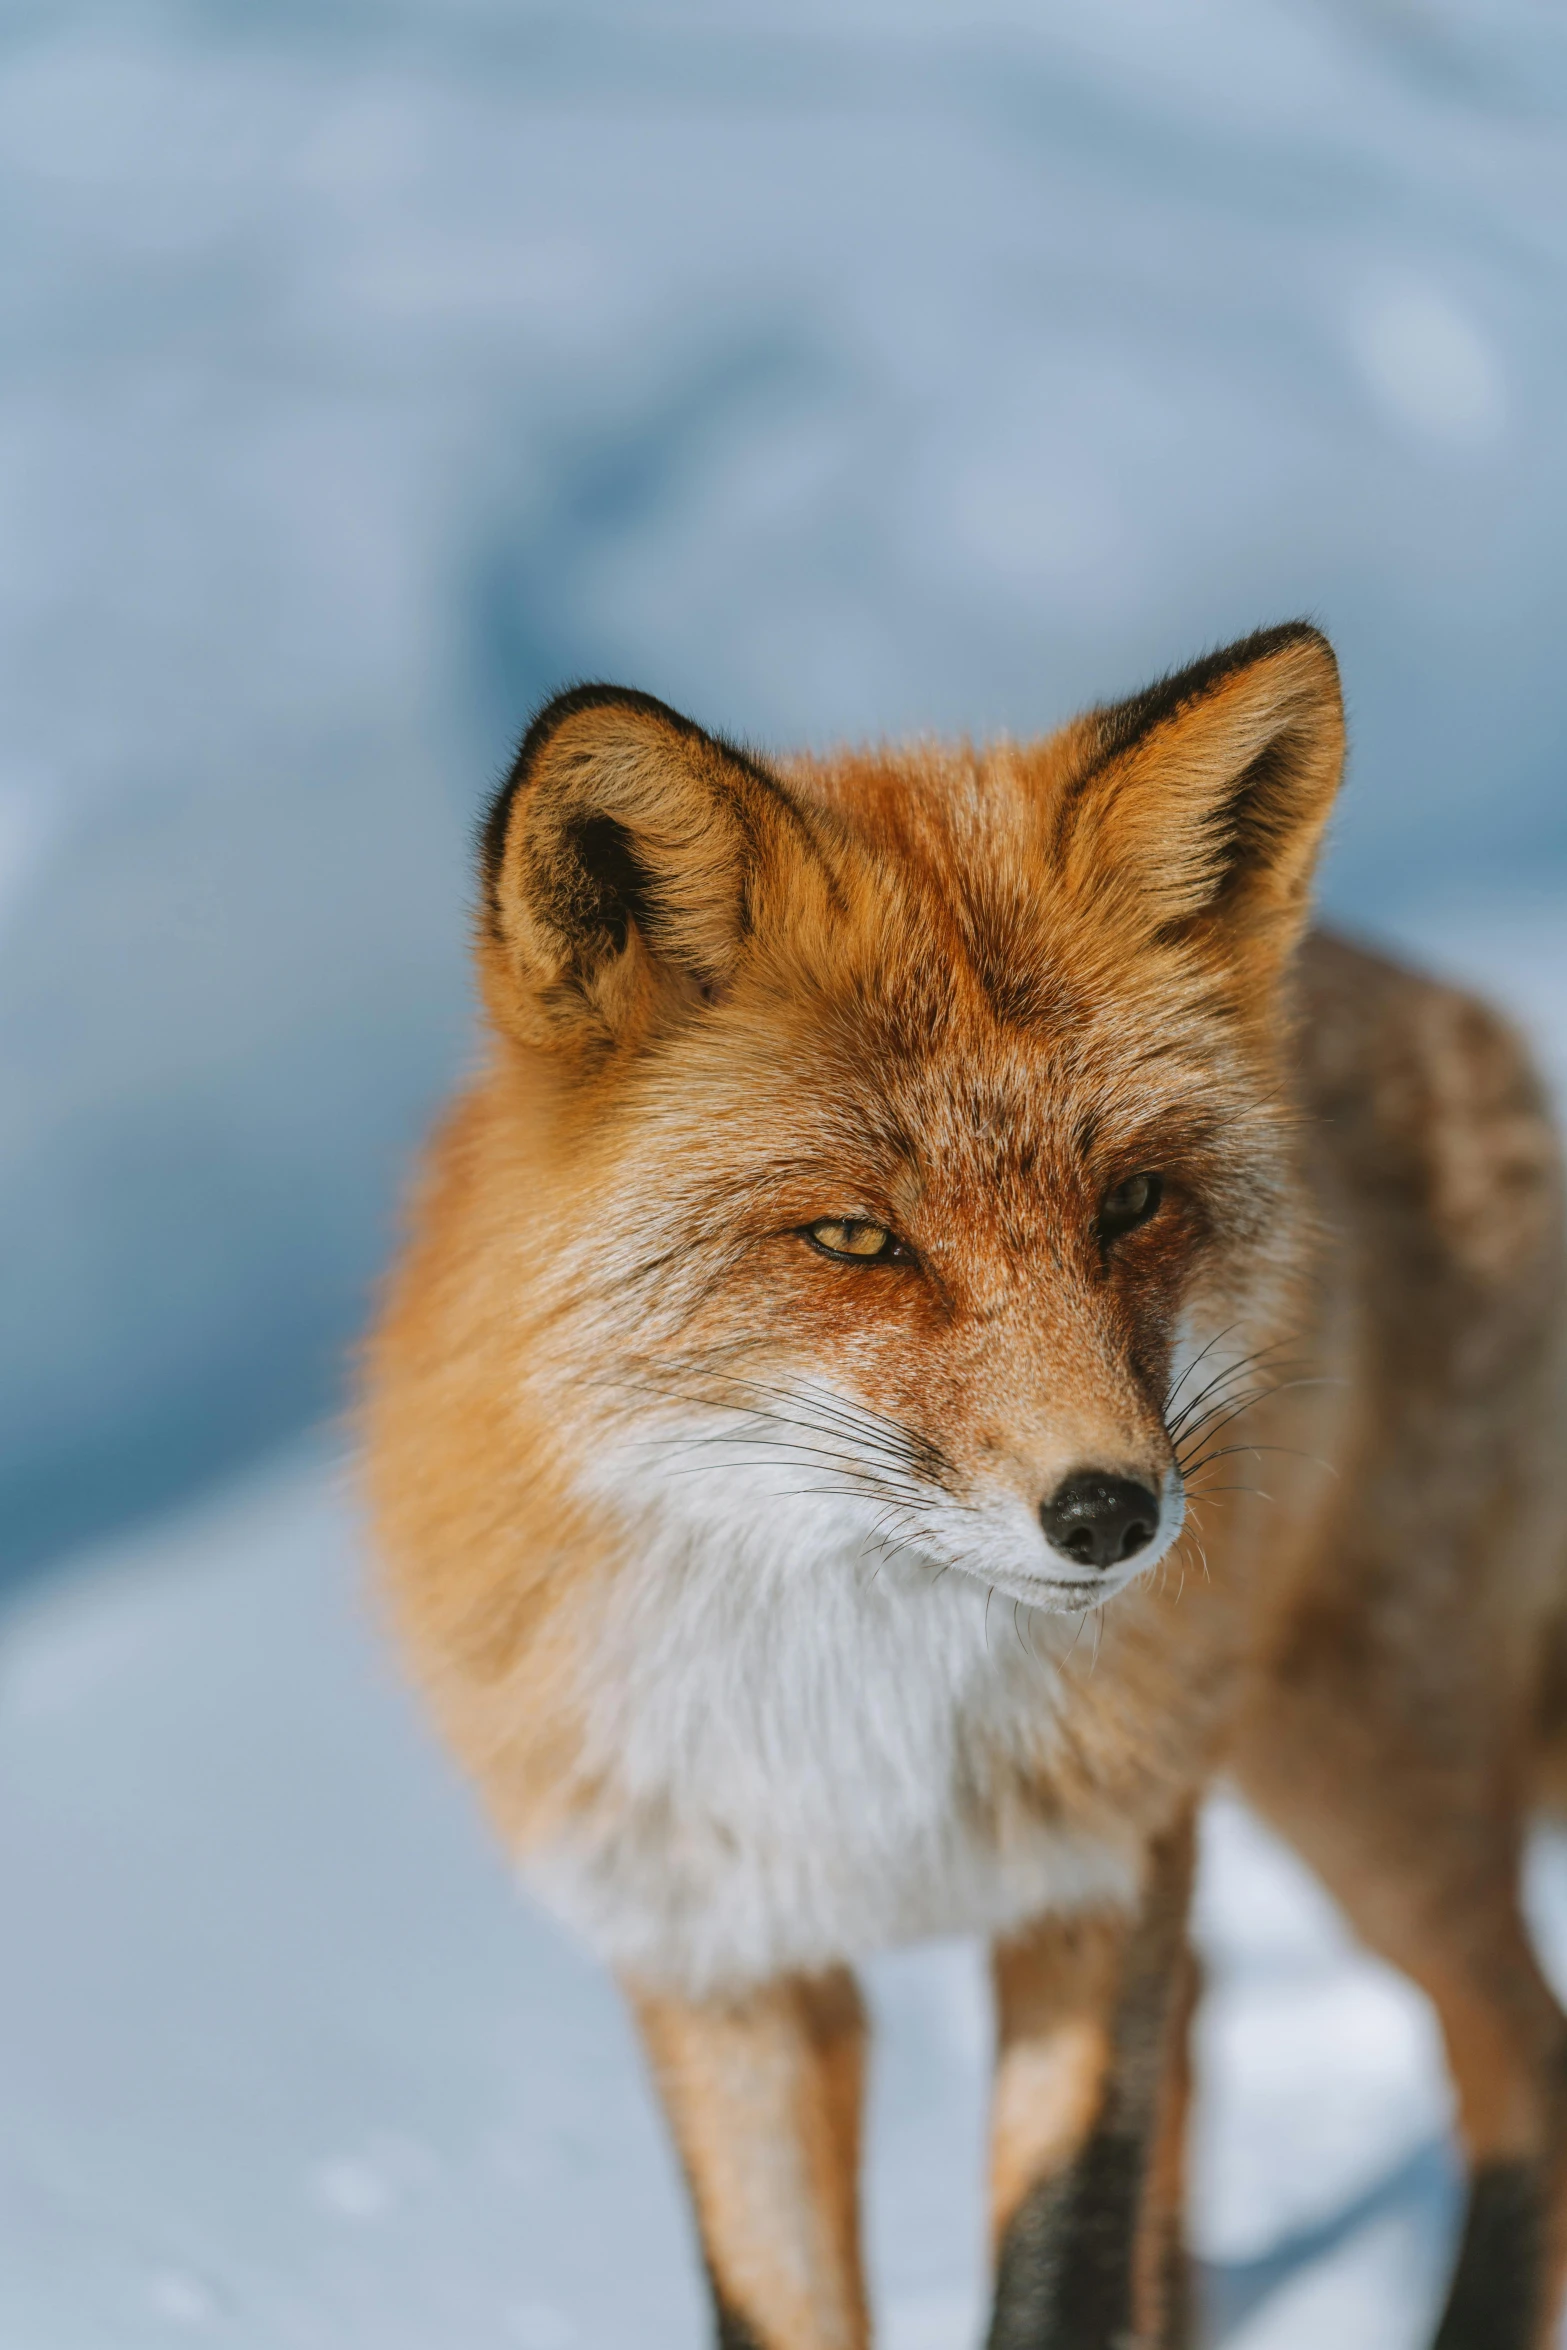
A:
{"x":851,"y":1238}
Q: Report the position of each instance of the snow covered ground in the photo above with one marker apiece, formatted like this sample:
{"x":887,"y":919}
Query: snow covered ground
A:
{"x":288,"y":2064}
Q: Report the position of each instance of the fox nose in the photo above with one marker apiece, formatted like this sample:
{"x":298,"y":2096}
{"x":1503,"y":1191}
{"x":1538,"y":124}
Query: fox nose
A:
{"x":1098,"y":1520}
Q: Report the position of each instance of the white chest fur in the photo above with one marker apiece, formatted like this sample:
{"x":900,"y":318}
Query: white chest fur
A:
{"x":802,"y":1746}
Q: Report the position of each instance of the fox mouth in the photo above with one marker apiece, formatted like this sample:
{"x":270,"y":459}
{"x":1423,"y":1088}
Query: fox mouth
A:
{"x":1075,"y":1594}
{"x":1070,"y":1592}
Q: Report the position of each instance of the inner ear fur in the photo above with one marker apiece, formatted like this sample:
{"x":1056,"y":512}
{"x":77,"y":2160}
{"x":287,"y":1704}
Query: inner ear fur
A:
{"x":1204,"y":799}
{"x":618,"y":861}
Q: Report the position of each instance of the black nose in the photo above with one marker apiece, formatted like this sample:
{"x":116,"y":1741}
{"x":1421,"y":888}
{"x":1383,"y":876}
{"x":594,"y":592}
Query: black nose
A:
{"x":1099,"y":1520}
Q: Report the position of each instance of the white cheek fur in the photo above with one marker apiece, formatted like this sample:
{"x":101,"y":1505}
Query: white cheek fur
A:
{"x":803,"y":1728}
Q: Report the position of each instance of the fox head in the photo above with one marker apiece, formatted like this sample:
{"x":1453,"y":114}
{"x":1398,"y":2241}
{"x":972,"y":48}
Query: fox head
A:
{"x":907,"y":1124}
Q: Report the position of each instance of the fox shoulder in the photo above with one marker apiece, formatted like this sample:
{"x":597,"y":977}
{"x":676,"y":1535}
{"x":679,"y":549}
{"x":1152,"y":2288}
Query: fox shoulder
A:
{"x":1433,"y":1101}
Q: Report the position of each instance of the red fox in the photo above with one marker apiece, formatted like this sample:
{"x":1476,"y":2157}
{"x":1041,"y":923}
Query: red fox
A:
{"x":811,"y":1441}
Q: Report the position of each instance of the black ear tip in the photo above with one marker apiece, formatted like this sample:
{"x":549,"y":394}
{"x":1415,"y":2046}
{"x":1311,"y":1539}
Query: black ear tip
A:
{"x":1305,"y":633}
{"x":1302,"y":631}
{"x":547,"y":719}
{"x":1121,"y":724}
{"x":546,"y":722}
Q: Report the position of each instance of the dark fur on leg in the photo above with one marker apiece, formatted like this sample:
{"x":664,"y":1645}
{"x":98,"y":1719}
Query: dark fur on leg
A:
{"x":1495,"y":2299}
{"x":734,"y":2331}
{"x":1177,"y":2303}
{"x":1068,"y":2265}
{"x":1065,"y":2274}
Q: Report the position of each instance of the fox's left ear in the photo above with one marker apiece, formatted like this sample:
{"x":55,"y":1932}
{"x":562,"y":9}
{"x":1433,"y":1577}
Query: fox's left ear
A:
{"x":1204,"y":800}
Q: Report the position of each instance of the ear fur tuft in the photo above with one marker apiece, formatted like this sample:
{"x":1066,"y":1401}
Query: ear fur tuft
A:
{"x":617,"y":862}
{"x":547,"y":721}
{"x":1121,"y":724}
{"x":1205,"y":798}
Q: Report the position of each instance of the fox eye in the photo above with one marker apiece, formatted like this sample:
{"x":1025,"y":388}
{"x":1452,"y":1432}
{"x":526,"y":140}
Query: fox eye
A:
{"x":852,"y":1238}
{"x":1130,"y":1203}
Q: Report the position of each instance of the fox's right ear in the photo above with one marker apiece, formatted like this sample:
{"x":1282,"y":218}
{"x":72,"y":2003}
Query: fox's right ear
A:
{"x":618,"y":862}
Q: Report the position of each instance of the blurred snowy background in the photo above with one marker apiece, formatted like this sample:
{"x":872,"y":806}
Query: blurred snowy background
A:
{"x":370,"y":370}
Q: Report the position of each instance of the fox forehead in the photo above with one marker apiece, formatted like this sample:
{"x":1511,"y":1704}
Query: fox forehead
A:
{"x":960,"y":1031}
{"x":965,"y":945}
{"x":972,"y":1119}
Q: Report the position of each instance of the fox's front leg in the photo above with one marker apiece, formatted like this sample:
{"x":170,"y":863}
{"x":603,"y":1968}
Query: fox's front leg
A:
{"x":763,"y":2095}
{"x":1087,"y":2124}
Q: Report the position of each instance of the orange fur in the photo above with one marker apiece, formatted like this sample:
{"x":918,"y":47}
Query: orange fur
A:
{"x":722,"y":1560}
{"x":1054,"y":1991}
{"x":763,"y":2094}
